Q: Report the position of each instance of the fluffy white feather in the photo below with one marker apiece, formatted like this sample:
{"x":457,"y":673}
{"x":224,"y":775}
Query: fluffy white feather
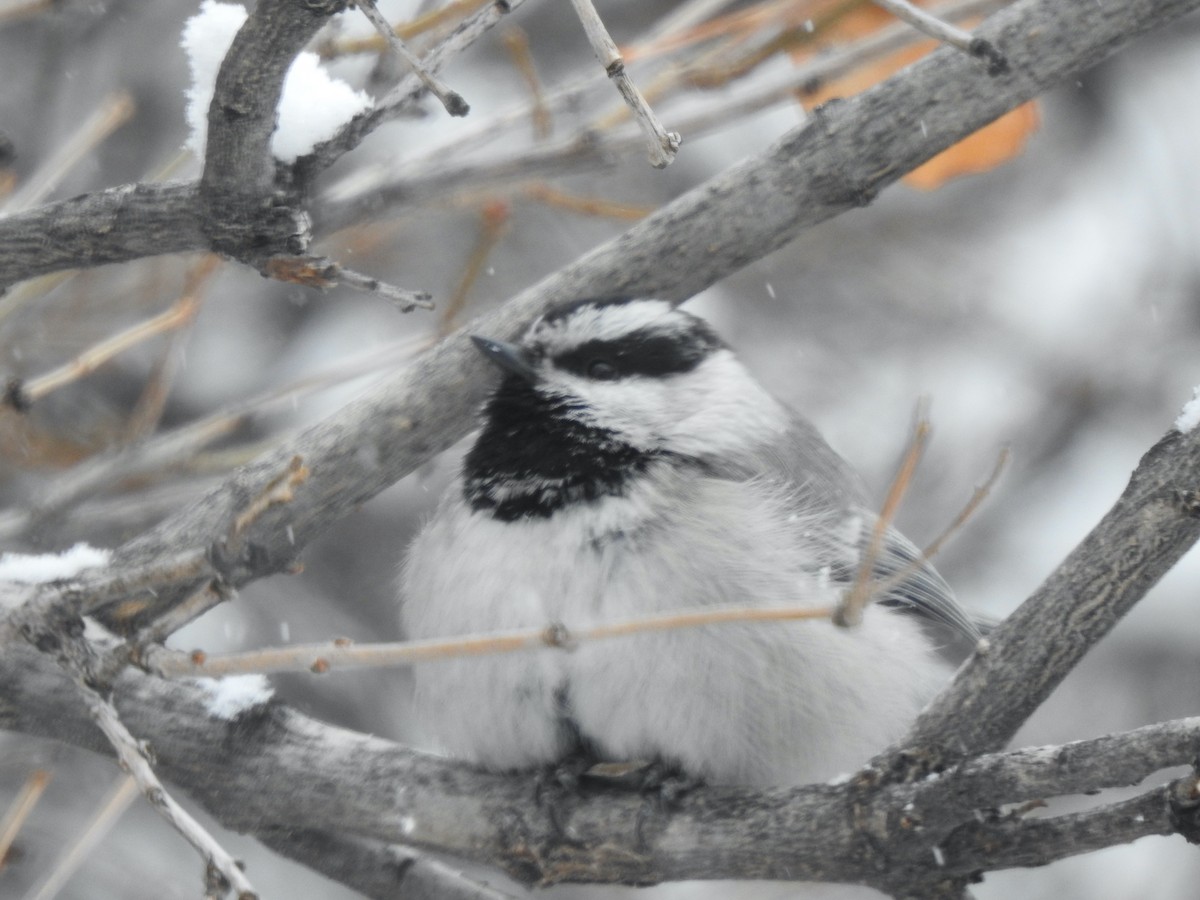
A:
{"x":727,"y":498}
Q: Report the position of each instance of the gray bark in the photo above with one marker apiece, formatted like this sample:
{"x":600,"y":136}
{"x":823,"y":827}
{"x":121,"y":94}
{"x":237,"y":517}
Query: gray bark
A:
{"x":271,"y":766}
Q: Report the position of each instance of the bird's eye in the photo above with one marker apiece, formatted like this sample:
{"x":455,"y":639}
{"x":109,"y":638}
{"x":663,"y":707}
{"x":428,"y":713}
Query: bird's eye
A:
{"x":601,"y":370}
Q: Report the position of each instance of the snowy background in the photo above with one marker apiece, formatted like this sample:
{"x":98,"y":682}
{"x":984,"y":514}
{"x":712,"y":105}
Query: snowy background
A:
{"x":1052,"y":306}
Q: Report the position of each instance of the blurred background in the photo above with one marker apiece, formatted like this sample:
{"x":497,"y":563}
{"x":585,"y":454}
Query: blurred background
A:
{"x":1050,"y":304}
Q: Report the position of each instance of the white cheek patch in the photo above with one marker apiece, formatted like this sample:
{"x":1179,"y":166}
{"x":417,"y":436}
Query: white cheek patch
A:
{"x":721,"y":409}
{"x":715,"y":408}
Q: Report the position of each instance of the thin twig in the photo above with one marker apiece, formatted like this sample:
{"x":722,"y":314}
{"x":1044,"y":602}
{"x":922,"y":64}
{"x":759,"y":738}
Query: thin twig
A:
{"x":451,"y":100}
{"x":493,"y":223}
{"x":133,"y":758}
{"x":72,"y":857}
{"x":174,"y":449}
{"x":405,"y":94}
{"x":19,"y":810}
{"x":322,"y":273}
{"x":344,"y":654}
{"x":21,"y":395}
{"x":662,"y":144}
{"x":685,"y":15}
{"x":849,"y":610}
{"x":401,"y":298}
{"x":150,"y":405}
{"x":428,"y":175}
{"x":211,"y":595}
{"x":516,"y":41}
{"x":946,"y":33}
{"x":424,"y":22}
{"x":981,"y":493}
{"x":114,"y":111}
{"x":588,"y":206}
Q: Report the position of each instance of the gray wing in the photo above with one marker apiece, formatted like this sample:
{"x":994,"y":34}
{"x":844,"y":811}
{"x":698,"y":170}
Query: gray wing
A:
{"x":825,"y":485}
{"x":921,"y":589}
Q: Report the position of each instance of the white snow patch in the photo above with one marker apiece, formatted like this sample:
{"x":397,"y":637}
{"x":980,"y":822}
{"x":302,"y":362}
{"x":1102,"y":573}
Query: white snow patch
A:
{"x":44,"y":567}
{"x":229,"y":697}
{"x":1189,"y":416}
{"x":313,"y":106}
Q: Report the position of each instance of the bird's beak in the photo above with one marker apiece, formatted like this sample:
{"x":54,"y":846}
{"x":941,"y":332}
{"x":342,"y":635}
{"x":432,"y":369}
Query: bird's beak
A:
{"x":508,"y":357}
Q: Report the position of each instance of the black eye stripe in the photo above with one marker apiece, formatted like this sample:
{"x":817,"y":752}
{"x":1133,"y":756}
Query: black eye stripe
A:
{"x":647,"y":353}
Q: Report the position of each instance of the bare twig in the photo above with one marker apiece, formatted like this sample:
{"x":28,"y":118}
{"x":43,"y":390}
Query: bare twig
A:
{"x":174,"y":448}
{"x":837,"y":162}
{"x":943,"y":31}
{"x":409,"y":90}
{"x":516,"y":41}
{"x":588,"y":206}
{"x":423,"y":23}
{"x":113,"y":225}
{"x":682,"y":16}
{"x":20,"y":396}
{"x":132,"y":755}
{"x":19,"y":810}
{"x":372,"y":192}
{"x":114,"y":111}
{"x":211,"y":595}
{"x":451,"y":100}
{"x":493,"y":223}
{"x":1156,"y":519}
{"x":343,"y":654}
{"x":850,"y":609}
{"x":73,"y":856}
{"x":981,"y":492}
{"x":150,"y":405}
{"x":429,"y":177}
{"x":319,"y":272}
{"x":662,"y":144}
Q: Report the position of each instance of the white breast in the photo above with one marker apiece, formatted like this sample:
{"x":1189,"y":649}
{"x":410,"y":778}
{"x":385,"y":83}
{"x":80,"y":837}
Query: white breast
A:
{"x":756,"y":703}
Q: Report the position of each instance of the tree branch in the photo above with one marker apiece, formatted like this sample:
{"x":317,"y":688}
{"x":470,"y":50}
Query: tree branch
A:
{"x":114,"y":225}
{"x":375,"y":869}
{"x":838,"y":160}
{"x":1155,"y":521}
{"x":242,"y":115}
{"x":283,"y":768}
{"x":278,"y":767}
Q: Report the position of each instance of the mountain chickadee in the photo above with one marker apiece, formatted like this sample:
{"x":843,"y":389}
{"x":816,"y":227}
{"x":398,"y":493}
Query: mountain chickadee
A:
{"x":629,"y":465}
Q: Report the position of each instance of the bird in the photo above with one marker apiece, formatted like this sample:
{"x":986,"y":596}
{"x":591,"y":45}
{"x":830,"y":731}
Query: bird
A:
{"x":628,"y":465}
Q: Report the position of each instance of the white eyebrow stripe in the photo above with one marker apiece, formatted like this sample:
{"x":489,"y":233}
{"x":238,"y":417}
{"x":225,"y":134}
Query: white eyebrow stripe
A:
{"x":604,"y":323}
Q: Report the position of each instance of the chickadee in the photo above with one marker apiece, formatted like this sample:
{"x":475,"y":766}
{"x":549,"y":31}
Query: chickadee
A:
{"x":629,"y":465}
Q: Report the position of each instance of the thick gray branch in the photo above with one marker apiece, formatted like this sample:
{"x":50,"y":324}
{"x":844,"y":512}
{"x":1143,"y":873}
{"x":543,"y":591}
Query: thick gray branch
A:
{"x":272,"y":767}
{"x":241,"y":118}
{"x":116,"y":225}
{"x":1155,"y":521}
{"x":375,"y":869}
{"x":1023,"y":842}
{"x":234,"y":210}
